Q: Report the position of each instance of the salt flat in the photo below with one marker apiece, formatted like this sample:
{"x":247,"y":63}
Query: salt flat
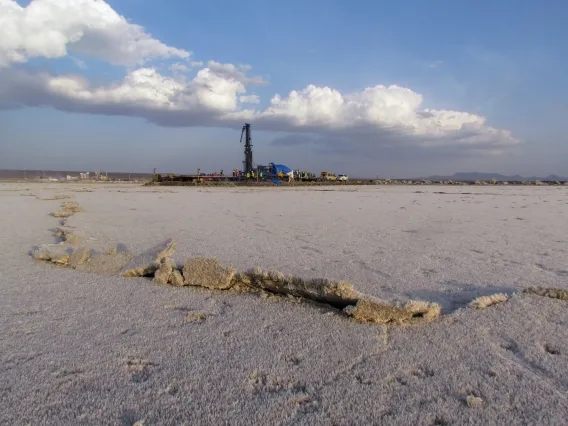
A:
{"x":78,"y":348}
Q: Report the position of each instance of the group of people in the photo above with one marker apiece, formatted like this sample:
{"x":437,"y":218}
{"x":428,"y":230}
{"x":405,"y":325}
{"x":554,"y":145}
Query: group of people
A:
{"x":249,"y":175}
{"x":254,"y":175}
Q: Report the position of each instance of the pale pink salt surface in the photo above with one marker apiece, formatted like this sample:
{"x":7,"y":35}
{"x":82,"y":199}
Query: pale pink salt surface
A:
{"x":66,"y":337}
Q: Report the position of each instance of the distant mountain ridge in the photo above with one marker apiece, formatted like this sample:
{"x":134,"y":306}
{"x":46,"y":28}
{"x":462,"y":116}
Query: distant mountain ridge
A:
{"x":497,"y":176}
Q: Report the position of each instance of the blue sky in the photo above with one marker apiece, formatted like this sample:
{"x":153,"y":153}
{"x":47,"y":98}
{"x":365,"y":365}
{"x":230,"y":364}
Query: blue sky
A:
{"x":502,"y":64}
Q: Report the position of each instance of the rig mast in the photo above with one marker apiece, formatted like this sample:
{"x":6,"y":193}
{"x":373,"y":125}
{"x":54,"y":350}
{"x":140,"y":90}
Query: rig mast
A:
{"x":247,"y":162}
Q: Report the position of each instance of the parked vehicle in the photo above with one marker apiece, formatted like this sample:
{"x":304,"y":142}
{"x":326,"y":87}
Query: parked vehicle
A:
{"x":304,"y":176}
{"x":343,"y":178}
{"x":328,"y":176}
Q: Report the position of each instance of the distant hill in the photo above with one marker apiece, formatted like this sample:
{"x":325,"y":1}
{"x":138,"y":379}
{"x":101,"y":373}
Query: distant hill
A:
{"x":489,"y":176}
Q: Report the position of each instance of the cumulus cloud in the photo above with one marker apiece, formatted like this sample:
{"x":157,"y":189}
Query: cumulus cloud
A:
{"x":182,"y":67}
{"x":387,"y":111}
{"x":179,"y":67}
{"x":143,"y":92}
{"x":249,"y":99}
{"x":215,"y":96}
{"x":238,"y":73}
{"x":52,"y":28}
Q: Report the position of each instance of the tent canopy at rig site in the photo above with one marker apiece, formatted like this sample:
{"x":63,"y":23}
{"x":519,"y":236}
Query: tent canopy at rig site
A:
{"x":281,"y":168}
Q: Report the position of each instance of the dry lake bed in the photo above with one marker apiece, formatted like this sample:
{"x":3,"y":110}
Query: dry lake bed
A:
{"x":78,"y":348}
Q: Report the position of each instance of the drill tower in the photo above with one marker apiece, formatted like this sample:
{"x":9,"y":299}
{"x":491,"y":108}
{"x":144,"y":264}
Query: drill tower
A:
{"x":247,"y":162}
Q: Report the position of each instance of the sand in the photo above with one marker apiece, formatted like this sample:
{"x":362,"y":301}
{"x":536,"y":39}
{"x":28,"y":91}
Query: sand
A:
{"x":81,"y":348}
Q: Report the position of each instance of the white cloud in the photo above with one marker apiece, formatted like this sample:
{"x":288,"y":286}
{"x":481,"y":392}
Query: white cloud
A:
{"x":237,"y":73}
{"x":395,"y":110}
{"x":179,"y":67}
{"x":214,"y":95}
{"x":249,"y":99}
{"x":196,"y":64}
{"x":52,"y":28}
{"x":142,"y":92}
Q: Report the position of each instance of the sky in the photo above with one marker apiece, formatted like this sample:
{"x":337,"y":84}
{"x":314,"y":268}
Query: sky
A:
{"x":365,"y":88}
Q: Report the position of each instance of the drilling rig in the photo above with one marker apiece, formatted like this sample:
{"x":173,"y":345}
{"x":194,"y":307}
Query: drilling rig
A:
{"x":247,"y":162}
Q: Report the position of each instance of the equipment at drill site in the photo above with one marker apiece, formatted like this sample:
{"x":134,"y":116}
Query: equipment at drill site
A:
{"x":247,"y":162}
{"x":304,"y":176}
{"x":328,"y":176}
{"x":250,"y":173}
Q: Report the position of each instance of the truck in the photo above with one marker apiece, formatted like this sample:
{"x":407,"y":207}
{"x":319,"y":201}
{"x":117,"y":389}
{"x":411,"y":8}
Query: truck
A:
{"x":304,"y":176}
{"x":328,"y":176}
